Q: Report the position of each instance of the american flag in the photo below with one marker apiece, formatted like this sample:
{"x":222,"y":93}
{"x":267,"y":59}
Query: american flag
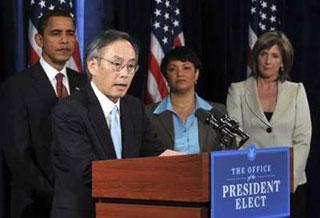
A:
{"x":264,"y":16}
{"x":37,"y":9}
{"x":166,"y":33}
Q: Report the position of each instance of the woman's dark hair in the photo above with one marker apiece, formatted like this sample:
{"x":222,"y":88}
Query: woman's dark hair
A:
{"x":180,"y":54}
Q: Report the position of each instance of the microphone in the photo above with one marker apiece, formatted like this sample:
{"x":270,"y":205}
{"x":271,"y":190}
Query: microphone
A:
{"x":203,"y":116}
{"x":210,"y":118}
{"x":223,"y":124}
{"x":231,"y":124}
{"x":227,"y":136}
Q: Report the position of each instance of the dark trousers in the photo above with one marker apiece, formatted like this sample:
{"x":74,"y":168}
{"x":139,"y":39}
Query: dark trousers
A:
{"x":299,"y":202}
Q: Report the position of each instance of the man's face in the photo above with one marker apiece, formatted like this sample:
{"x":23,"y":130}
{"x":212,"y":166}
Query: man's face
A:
{"x":58,"y":41}
{"x":113,"y":71}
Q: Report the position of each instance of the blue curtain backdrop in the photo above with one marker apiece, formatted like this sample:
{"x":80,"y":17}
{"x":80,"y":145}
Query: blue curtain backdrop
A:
{"x":215,"y":29}
{"x":91,"y":19}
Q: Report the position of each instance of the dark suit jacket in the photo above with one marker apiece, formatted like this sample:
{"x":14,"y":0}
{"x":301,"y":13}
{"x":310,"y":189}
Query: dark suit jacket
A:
{"x":81,"y":135}
{"x":26,"y":103}
{"x":163,"y":125}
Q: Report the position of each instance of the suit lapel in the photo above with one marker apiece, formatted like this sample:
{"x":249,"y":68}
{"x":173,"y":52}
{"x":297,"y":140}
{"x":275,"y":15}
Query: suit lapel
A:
{"x":73,"y":81}
{"x":253,"y":102}
{"x":43,"y":85}
{"x":166,"y":122}
{"x":203,"y":136}
{"x":127,"y":131}
{"x":99,"y":124}
{"x":282,"y":101}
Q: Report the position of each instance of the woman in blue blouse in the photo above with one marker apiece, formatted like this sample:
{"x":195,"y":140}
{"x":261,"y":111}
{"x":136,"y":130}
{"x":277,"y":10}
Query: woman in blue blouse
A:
{"x":174,"y":118}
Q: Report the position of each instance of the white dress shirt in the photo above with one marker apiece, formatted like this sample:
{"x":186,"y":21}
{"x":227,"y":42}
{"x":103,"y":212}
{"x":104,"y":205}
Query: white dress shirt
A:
{"x":106,"y":104}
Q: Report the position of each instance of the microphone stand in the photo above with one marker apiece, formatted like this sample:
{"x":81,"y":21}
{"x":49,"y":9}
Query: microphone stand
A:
{"x":227,"y":136}
{"x":228,"y":130}
{"x":233,"y":126}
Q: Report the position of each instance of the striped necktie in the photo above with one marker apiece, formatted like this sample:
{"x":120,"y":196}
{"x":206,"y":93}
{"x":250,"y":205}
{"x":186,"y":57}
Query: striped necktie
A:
{"x":61,"y":89}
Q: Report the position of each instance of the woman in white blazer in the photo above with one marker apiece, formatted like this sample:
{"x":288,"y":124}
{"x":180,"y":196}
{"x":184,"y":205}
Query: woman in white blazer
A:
{"x":274,"y":111}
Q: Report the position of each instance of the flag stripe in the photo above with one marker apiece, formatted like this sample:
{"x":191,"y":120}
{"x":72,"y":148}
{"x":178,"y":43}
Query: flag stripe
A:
{"x":252,"y":37}
{"x":153,"y":93}
{"x":179,"y":41}
{"x":76,"y":57}
{"x":156,"y":49}
{"x":157,"y":75}
{"x":34,"y":49}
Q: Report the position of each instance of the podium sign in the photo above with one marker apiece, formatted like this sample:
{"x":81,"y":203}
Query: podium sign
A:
{"x":250,"y":183}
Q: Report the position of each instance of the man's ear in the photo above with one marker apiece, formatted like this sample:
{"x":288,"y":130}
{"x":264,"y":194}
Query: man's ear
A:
{"x":92,"y":65}
{"x":39,"y":40}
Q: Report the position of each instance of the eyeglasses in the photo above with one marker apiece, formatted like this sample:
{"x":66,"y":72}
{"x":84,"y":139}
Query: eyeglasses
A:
{"x":118,"y":66}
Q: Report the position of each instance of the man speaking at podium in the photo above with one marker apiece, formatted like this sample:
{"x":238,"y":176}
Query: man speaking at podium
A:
{"x":98,"y":123}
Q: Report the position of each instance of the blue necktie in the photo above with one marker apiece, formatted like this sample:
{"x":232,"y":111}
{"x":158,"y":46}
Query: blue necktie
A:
{"x":115,"y":130}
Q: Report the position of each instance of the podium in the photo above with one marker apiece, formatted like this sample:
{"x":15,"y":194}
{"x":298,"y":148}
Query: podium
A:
{"x":171,"y":187}
{"x":176,"y":186}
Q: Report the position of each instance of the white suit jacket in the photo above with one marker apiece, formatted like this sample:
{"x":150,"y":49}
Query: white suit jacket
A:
{"x":290,"y":123}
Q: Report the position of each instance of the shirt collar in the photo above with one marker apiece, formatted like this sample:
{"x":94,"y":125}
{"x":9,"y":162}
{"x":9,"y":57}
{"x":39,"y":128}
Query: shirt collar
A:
{"x":51,"y":71}
{"x":166,"y":105}
{"x":106,"y":104}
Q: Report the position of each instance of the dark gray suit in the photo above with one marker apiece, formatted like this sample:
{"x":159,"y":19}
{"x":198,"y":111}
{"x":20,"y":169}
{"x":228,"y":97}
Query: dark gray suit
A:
{"x":81,"y":135}
{"x":163,"y":124}
{"x":26,"y":103}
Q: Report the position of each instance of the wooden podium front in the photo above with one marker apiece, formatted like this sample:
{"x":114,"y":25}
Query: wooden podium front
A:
{"x":176,"y":186}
